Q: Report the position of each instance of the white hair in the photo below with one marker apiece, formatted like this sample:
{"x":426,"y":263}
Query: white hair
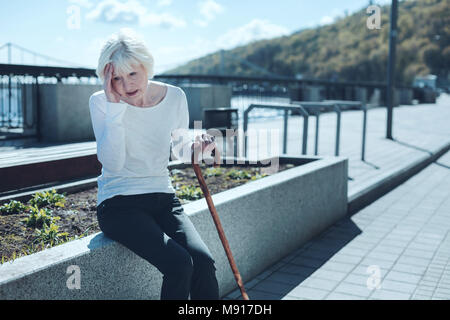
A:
{"x":124,"y":49}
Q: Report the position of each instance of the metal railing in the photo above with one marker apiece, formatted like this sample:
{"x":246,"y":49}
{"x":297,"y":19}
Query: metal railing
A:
{"x":253,"y":90}
{"x":306,"y":109}
{"x":286,"y":108}
{"x":316,"y":108}
{"x":345,"y":105}
{"x":19,"y":96}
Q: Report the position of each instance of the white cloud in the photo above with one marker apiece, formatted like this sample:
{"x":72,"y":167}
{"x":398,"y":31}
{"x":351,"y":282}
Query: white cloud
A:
{"x":164,"y":3}
{"x":332,"y":17}
{"x":169,"y":57}
{"x":164,"y":20}
{"x":82,"y":3}
{"x":209,"y":9}
{"x":256,"y":29}
{"x":130,"y":12}
{"x":173,"y":56}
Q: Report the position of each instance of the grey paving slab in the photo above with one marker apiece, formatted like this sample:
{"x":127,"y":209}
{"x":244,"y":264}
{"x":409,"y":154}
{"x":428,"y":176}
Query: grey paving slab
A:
{"x":318,"y":283}
{"x":287,"y":278}
{"x":342,"y":296}
{"x":308,"y":293}
{"x":382,"y":294}
{"x":353,"y":289}
{"x":275,"y":287}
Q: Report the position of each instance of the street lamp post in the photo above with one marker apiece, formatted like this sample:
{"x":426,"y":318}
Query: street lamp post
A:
{"x":391,"y":68}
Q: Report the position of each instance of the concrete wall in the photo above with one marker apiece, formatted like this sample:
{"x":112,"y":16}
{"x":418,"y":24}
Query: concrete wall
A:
{"x":406,"y":96}
{"x":64,"y":112}
{"x":361,"y":94}
{"x":307,"y":93}
{"x":202,"y":96}
{"x":375,"y":98}
{"x":313,"y":93}
{"x":264,"y":220}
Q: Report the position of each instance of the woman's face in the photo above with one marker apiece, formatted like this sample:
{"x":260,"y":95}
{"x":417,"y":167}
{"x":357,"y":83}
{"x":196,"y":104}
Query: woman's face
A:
{"x":133,"y":86}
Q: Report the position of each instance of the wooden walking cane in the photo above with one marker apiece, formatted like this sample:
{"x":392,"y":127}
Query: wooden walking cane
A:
{"x":215,"y":216}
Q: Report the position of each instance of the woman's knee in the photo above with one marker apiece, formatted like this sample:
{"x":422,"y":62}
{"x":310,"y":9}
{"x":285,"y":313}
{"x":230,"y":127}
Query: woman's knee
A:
{"x":180,"y":264}
{"x":203,"y":260}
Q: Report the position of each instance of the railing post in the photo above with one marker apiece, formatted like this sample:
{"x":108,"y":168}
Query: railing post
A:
{"x":338,"y":128}
{"x":316,"y":148}
{"x":305,"y":132}
{"x":245,"y":129}
{"x":363,"y":151}
{"x":285,"y":130}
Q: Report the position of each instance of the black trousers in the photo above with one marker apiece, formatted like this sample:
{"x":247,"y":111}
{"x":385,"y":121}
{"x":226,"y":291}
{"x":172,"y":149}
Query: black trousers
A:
{"x":155,"y":227}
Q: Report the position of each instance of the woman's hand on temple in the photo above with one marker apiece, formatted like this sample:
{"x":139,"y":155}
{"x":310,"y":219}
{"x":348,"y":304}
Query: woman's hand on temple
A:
{"x":111,"y":94}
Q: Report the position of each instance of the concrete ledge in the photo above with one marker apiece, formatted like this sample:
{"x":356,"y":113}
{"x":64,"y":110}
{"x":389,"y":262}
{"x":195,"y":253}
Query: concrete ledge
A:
{"x":264,"y":220}
{"x":374,"y":188}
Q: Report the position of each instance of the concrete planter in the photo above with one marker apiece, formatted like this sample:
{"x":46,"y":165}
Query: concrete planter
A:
{"x":264,"y":220}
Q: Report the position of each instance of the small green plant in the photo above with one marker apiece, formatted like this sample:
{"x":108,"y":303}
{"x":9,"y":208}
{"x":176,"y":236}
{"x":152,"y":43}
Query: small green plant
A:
{"x":44,"y":240}
{"x":175,"y":178}
{"x":189,"y":192}
{"x":239,"y":174}
{"x":211,"y":171}
{"x":37,"y":218}
{"x":42,"y":199}
{"x":50,"y":234}
{"x":13,"y":207}
{"x":259,"y":176}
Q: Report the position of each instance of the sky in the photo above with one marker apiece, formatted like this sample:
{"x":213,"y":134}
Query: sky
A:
{"x":72,"y":32}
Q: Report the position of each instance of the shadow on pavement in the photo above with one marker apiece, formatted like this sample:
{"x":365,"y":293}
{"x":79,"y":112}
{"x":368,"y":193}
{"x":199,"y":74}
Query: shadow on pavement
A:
{"x":310,"y":257}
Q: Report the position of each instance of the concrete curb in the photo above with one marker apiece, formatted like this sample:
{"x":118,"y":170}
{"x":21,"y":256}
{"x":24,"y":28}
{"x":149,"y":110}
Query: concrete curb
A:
{"x":373,"y":189}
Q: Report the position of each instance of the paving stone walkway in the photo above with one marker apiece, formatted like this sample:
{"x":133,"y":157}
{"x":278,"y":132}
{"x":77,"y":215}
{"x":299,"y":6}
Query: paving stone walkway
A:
{"x":398,"y":247}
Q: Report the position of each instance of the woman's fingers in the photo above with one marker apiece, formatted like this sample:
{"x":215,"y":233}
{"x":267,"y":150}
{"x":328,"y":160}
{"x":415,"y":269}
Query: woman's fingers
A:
{"x":108,"y":88}
{"x":209,"y":146}
{"x":204,"y":142}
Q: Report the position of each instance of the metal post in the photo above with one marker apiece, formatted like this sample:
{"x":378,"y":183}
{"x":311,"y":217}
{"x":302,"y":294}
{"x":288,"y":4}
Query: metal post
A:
{"x":305,"y":133}
{"x":391,"y":68}
{"x":338,"y":128}
{"x":316,"y":149}
{"x":363,"y":151}
{"x":9,"y":87}
{"x":245,"y":131}
{"x":285,"y":131}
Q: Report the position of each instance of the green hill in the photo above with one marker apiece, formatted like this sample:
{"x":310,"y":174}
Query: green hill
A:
{"x":347,"y":50}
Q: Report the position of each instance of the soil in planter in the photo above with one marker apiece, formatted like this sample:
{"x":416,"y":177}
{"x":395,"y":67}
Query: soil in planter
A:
{"x":78,"y":217}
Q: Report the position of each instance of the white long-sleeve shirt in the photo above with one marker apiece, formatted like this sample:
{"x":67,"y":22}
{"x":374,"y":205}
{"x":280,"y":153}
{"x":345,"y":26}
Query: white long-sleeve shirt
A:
{"x":133,"y":143}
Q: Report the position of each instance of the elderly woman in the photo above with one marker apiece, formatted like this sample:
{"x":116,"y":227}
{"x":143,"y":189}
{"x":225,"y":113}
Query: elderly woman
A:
{"x":134,"y":120}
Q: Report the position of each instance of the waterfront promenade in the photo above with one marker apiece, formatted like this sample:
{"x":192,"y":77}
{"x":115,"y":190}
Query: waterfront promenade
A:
{"x":403,"y":236}
{"x":398,"y":247}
